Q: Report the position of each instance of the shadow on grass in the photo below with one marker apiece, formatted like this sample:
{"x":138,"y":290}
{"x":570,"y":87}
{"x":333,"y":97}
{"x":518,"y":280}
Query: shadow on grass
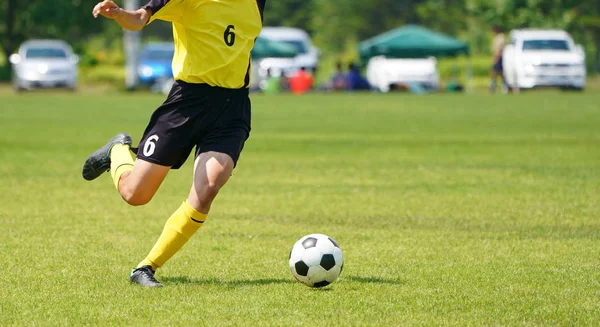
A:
{"x":228,"y":283}
{"x":269,"y":281}
{"x":375,"y":280}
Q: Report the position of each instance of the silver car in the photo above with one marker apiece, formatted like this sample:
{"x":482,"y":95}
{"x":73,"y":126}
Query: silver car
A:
{"x":44,"y":64}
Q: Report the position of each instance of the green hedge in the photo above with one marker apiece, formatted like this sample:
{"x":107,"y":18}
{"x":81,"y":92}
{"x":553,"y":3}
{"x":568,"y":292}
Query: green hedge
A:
{"x":5,"y":73}
{"x":111,"y":74}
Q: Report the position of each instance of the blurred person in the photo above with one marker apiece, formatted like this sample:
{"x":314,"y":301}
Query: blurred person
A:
{"x":272,"y":82}
{"x":208,"y":107}
{"x":498,"y":43}
{"x":284,"y":82}
{"x":301,"y":82}
{"x":355,"y":81}
{"x":338,"y":81}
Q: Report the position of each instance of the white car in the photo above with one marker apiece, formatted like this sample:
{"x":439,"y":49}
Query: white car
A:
{"x":384,"y":73}
{"x":308,"y":54}
{"x":44,"y":64}
{"x":541,"y":58}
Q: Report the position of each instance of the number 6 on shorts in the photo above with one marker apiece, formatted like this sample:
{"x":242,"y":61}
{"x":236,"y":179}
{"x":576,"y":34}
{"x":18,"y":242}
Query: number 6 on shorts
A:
{"x":150,"y":145}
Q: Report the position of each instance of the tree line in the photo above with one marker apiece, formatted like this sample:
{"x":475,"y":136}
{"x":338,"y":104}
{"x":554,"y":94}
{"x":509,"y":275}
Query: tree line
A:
{"x":335,"y":25}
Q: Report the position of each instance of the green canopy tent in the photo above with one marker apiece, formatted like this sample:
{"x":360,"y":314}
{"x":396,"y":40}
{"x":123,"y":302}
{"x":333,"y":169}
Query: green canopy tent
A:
{"x":412,"y":42}
{"x":415,"y":42}
{"x":265,"y":48}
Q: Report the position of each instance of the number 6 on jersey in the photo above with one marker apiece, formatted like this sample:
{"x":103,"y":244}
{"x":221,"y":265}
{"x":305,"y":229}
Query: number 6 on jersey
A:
{"x":229,"y":35}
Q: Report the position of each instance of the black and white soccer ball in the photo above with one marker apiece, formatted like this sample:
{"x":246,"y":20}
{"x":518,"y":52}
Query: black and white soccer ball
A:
{"x":316,"y":260}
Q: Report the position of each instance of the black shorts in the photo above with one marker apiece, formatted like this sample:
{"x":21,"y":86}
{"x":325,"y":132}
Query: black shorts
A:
{"x":498,"y":66}
{"x":196,"y":115}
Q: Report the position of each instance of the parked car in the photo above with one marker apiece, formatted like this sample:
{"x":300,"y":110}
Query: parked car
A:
{"x":154,"y":64}
{"x":308,"y":54}
{"x":385,"y":73}
{"x":44,"y":64}
{"x":541,"y":58}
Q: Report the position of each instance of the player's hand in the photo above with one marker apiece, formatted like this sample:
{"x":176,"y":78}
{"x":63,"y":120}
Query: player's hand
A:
{"x":106,"y":8}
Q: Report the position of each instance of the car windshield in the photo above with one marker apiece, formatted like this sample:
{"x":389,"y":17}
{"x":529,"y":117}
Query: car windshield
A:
{"x":552,"y":45}
{"x":157,"y":54}
{"x":33,"y":53}
{"x":299,"y":45}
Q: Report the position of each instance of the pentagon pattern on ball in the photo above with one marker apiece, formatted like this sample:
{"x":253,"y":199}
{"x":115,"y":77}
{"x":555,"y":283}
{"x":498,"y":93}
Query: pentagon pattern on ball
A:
{"x":327,"y":261}
{"x":310,"y":242}
{"x":321,"y":284}
{"x":337,"y":254}
{"x":301,"y":268}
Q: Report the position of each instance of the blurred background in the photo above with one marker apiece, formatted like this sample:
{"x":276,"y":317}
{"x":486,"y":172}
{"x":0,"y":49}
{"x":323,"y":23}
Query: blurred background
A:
{"x":428,"y":45}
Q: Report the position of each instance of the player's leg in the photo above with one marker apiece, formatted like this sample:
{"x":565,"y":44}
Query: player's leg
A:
{"x":493,"y":80}
{"x":211,"y":171}
{"x":136,"y":180}
{"x":505,"y":87}
{"x":138,"y":185}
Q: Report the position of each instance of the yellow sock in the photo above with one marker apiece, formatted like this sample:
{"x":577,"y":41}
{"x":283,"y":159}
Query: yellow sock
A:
{"x":121,"y":161}
{"x":177,"y":231}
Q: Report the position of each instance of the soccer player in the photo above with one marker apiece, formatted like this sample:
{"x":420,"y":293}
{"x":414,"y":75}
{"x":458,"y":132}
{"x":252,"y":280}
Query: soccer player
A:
{"x":208,"y":108}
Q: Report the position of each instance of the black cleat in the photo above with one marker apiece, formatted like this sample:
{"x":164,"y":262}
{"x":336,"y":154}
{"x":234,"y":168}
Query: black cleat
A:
{"x":144,"y":276}
{"x":99,"y":162}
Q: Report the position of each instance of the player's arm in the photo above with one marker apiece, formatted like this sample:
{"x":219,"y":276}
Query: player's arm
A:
{"x":130,"y":20}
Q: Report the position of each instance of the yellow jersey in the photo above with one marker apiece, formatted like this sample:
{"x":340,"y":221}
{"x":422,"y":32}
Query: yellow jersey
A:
{"x":213,"y":38}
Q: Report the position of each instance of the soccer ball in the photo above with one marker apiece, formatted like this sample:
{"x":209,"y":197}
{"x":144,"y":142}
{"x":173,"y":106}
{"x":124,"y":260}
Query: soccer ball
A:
{"x":316,"y":260}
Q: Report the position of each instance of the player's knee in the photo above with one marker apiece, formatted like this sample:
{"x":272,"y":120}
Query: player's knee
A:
{"x":135,"y":198}
{"x":207,"y":193}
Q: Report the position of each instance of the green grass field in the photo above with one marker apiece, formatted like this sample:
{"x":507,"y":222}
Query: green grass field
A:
{"x":451,"y":210}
